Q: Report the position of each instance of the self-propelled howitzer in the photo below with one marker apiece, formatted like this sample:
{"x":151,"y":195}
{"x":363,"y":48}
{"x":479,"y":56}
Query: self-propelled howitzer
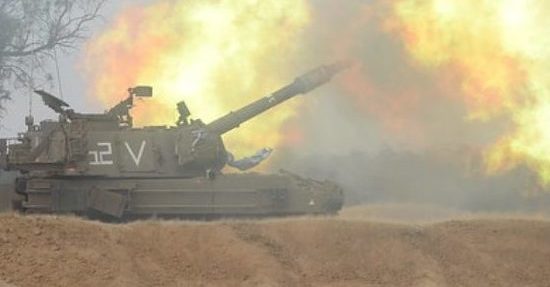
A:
{"x":99,"y":164}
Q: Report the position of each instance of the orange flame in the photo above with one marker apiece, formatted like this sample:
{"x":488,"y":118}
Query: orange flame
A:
{"x":500,"y":51}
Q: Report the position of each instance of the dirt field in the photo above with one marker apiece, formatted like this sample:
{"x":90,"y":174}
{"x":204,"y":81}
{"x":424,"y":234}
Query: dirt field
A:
{"x":344,"y":251}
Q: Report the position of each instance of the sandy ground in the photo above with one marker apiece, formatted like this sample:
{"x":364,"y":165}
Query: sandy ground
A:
{"x":421,"y":246}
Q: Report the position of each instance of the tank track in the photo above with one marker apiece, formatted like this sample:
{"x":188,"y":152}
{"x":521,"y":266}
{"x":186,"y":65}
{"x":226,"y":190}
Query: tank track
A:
{"x":249,"y":195}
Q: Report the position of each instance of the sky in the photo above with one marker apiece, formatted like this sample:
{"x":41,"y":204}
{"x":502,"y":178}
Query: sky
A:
{"x":73,"y":82}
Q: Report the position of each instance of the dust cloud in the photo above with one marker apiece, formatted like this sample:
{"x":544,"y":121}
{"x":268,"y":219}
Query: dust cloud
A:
{"x":449,"y":177}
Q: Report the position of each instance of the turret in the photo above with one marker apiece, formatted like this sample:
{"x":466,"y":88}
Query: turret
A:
{"x":106,"y":144}
{"x":301,"y":85}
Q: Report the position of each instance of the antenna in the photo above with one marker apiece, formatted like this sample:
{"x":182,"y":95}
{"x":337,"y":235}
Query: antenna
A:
{"x":29,"y":120}
{"x":30,"y":99}
{"x":59,"y":86}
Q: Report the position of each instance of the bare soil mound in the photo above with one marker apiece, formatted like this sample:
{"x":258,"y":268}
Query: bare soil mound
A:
{"x":64,"y":251}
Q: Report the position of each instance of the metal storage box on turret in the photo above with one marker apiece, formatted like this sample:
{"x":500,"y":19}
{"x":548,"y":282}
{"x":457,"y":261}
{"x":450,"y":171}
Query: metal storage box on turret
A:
{"x":99,"y":165}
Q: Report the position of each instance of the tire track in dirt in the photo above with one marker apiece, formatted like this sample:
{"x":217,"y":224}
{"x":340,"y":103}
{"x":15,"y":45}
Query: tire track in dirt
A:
{"x":250,"y":233}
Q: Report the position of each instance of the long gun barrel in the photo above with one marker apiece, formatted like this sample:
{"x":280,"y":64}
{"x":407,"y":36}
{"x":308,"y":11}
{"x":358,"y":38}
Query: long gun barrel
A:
{"x":301,"y":85}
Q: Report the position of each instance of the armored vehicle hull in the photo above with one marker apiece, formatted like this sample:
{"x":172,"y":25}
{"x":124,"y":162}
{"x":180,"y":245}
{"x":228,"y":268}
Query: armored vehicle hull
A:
{"x":231,"y":195}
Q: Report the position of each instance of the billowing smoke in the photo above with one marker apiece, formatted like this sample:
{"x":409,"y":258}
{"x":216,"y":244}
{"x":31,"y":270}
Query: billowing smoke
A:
{"x":465,"y":77}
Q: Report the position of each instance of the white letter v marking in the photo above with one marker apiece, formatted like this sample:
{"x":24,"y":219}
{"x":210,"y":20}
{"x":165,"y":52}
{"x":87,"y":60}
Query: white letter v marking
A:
{"x":137,"y":158}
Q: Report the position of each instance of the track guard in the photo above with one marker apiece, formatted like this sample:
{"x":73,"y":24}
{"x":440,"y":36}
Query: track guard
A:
{"x":107,"y":202}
